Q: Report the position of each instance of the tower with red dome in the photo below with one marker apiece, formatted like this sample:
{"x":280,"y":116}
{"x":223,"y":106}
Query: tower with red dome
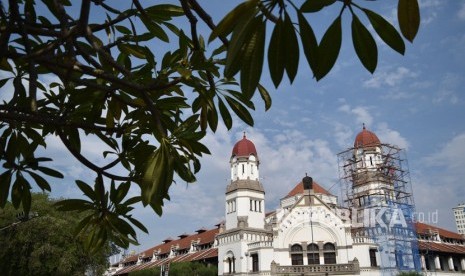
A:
{"x":244,"y":209}
{"x":245,"y":196}
{"x":377,"y":191}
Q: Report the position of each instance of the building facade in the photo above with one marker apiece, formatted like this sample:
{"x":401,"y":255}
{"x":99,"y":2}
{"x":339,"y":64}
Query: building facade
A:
{"x":310,"y":232}
{"x":459,"y":215}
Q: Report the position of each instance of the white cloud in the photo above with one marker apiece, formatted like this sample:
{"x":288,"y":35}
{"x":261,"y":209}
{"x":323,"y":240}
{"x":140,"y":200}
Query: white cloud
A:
{"x":439,"y":183}
{"x":389,"y":136}
{"x":361,"y":114}
{"x":451,"y":155}
{"x":461,"y":12}
{"x":430,"y":3}
{"x":343,"y":135}
{"x":447,"y":91}
{"x":393,"y":78}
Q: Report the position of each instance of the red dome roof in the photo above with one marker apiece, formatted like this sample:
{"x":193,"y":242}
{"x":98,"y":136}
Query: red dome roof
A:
{"x":244,"y":147}
{"x":366,"y":138}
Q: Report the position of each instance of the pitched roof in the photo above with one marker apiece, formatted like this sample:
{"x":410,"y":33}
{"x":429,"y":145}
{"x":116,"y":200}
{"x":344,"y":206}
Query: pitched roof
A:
{"x":441,"y":247}
{"x":423,"y":228}
{"x":183,"y":243}
{"x":299,"y":189}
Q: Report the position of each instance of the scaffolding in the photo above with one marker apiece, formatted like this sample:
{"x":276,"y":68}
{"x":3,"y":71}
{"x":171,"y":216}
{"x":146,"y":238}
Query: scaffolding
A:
{"x":375,"y":186}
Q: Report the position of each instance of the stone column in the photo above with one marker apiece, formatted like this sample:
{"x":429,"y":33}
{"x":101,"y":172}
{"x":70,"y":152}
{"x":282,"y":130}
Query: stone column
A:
{"x":462,"y":264}
{"x":423,"y":262}
{"x":451,"y":263}
{"x":437,"y":263}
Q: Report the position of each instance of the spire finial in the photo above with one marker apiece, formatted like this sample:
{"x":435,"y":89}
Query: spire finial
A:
{"x":364,"y":126}
{"x":244,"y":135}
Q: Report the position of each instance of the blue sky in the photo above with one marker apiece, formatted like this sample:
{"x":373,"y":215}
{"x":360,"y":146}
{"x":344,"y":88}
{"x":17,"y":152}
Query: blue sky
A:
{"x":416,"y":102}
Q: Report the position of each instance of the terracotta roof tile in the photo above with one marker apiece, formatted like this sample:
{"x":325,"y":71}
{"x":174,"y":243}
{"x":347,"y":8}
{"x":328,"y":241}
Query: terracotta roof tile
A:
{"x":299,"y":189}
{"x":423,"y":228}
{"x":184,"y":243}
{"x":441,"y":247}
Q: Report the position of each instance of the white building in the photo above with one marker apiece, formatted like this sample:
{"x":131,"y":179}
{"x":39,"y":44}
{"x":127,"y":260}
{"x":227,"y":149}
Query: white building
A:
{"x":309,"y":233}
{"x":459,"y":214}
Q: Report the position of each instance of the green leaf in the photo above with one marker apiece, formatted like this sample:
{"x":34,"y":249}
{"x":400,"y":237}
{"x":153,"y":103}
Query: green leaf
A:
{"x":386,"y":31}
{"x":157,"y":177}
{"x":292,"y":48}
{"x":26,"y":197}
{"x":315,"y":5}
{"x":225,"y":114}
{"x":74,"y":139}
{"x":135,"y":50}
{"x":242,"y":34}
{"x":155,"y":29}
{"x":253,"y":59}
{"x":40,"y":181}
{"x":50,"y":172}
{"x":73,"y":205}
{"x":3,"y":82}
{"x":123,"y":30}
{"x":5,"y":65}
{"x":309,"y":42}
{"x":408,"y":14}
{"x":183,"y":171}
{"x":265,"y":96}
{"x":17,"y":191}
{"x":240,"y":110}
{"x":227,"y":24}
{"x":138,"y":224}
{"x":277,"y":53}
{"x":86,"y":189}
{"x":12,"y":148}
{"x":212,"y":117}
{"x":132,"y":200}
{"x":165,"y":10}
{"x":364,"y":44}
{"x":5,"y":182}
{"x":122,"y":191}
{"x":329,"y":48}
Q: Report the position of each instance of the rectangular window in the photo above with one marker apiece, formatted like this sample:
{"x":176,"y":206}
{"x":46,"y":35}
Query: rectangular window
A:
{"x":297,"y":259}
{"x":330,"y":257}
{"x":373,"y":257}
{"x":313,"y":258}
{"x":255,"y":262}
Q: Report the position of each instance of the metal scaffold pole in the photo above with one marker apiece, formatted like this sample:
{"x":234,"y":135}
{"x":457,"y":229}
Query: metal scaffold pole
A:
{"x":375,"y":186}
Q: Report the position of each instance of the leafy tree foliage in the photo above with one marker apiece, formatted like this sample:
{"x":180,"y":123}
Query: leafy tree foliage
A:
{"x":149,"y":90}
{"x":44,"y":244}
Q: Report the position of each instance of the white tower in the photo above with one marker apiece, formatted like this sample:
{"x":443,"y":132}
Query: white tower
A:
{"x":245,"y":196}
{"x":382,"y":201}
{"x":371,"y":186}
{"x":245,"y":214}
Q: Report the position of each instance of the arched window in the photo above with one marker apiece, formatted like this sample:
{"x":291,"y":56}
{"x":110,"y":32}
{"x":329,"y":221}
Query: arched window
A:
{"x":329,"y":253}
{"x":230,"y":263}
{"x":313,"y":254}
{"x":297,"y":255}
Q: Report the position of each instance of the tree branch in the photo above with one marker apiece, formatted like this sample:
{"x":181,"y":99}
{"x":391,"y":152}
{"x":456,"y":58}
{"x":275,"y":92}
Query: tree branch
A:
{"x":8,"y":114}
{"x":206,"y":18}
{"x":87,"y":163}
